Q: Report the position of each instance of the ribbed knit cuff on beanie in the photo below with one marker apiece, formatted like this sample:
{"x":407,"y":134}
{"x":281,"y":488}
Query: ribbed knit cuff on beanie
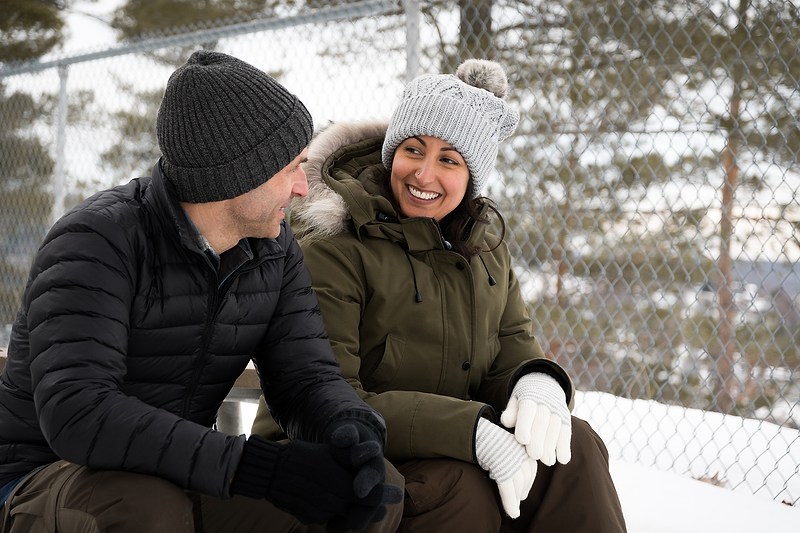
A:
{"x":225,"y":127}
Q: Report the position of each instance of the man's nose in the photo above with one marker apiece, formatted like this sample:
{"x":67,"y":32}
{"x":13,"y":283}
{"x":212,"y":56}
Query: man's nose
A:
{"x":300,"y":184}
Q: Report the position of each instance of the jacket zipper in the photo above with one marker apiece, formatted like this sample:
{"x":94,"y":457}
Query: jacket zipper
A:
{"x":445,"y":242}
{"x":214,"y":299}
{"x":197,"y":369}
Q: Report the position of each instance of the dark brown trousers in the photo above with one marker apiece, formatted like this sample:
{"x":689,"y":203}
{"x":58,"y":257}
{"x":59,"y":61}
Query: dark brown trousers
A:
{"x":66,"y":498}
{"x":446,"y":495}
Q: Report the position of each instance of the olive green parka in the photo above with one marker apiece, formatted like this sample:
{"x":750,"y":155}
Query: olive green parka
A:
{"x":431,"y":340}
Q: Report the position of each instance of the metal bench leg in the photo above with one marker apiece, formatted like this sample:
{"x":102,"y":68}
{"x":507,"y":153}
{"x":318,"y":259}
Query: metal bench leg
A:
{"x":229,"y":418}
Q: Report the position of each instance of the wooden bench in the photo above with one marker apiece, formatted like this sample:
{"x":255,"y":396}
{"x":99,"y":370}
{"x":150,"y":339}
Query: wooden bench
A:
{"x":246,"y":389}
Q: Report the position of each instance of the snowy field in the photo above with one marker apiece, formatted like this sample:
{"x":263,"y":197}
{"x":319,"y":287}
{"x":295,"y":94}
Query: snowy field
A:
{"x":655,"y":500}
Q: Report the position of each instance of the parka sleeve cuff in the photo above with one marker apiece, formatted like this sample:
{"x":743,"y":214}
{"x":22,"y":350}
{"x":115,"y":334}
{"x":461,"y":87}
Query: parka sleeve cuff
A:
{"x":489,"y":414}
{"x":552,"y":369}
{"x":256,"y":466}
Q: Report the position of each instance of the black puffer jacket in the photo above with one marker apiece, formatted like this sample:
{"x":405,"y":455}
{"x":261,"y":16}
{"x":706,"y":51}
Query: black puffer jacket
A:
{"x":126,"y":344}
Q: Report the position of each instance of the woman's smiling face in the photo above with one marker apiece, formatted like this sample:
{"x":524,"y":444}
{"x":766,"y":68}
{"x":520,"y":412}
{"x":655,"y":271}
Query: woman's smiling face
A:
{"x":429,"y":177}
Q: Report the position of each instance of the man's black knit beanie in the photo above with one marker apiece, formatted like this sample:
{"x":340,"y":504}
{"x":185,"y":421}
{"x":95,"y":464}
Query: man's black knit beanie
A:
{"x":224,"y":128}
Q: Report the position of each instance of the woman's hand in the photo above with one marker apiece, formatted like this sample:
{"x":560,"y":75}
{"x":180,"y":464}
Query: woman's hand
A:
{"x":507,"y":463}
{"x":538,"y":411}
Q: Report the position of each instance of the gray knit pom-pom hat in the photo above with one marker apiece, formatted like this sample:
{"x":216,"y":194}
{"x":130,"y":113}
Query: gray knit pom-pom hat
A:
{"x":225,"y":127}
{"x":467,"y":110}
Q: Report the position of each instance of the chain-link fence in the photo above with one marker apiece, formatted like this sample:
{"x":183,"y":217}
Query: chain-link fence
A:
{"x":649,"y":193}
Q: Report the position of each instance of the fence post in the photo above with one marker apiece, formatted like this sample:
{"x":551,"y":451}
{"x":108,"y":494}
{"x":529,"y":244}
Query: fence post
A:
{"x":59,"y":193}
{"x":412,"y":39}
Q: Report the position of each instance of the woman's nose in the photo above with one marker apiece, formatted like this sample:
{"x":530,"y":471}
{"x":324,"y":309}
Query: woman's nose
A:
{"x":424,"y":174}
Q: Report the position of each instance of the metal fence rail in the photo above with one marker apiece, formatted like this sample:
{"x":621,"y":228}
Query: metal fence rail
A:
{"x":650,"y":192}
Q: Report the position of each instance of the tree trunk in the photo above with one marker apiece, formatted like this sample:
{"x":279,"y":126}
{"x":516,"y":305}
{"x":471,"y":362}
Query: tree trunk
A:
{"x":476,"y":39}
{"x":727,"y":387}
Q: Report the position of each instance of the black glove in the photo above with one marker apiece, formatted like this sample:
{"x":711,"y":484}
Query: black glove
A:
{"x":306,"y":481}
{"x":358,"y":446}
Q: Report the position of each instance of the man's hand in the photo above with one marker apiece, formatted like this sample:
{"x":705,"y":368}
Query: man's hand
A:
{"x":355,"y":446}
{"x":538,"y":411}
{"x":507,"y":462}
{"x":307,"y":481}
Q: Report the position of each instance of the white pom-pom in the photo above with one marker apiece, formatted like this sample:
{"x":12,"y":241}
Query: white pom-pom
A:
{"x":484,"y":74}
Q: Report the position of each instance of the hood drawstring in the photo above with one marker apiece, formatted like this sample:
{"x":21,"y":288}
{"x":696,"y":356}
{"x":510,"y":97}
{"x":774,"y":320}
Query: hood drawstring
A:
{"x":445,"y":242}
{"x":492,"y":282}
{"x":417,"y":295}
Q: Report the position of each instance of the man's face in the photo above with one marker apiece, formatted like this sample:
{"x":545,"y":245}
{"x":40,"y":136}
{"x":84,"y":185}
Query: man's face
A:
{"x":258,"y":213}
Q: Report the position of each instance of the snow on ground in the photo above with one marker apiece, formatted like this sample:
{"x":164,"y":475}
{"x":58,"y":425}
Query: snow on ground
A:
{"x":751,"y":456}
{"x":657,"y":500}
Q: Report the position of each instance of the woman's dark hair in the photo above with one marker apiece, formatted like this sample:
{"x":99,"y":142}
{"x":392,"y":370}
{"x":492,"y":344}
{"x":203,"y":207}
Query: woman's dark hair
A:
{"x":457,"y":224}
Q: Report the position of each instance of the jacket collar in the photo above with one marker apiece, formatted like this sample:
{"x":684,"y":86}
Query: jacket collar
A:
{"x":172,"y":215}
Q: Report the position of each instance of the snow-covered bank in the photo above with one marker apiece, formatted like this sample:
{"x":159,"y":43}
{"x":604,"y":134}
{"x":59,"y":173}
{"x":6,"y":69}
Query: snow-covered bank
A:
{"x":664,"y":502}
{"x":749,"y":456}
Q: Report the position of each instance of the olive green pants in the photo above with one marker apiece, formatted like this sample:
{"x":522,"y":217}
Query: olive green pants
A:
{"x":451,"y":496}
{"x":66,"y":498}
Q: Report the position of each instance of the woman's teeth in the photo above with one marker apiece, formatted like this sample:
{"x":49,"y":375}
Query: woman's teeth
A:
{"x":422,"y":195}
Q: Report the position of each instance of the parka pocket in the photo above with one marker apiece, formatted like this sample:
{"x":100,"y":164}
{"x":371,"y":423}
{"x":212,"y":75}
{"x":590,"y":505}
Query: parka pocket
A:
{"x":380,"y":378}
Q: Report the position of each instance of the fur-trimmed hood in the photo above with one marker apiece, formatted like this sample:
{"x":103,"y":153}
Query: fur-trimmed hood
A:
{"x":324,"y":212}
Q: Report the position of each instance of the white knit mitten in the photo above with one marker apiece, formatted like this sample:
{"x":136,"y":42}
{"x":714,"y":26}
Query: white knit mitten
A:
{"x":507,"y":462}
{"x":538,"y":410}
